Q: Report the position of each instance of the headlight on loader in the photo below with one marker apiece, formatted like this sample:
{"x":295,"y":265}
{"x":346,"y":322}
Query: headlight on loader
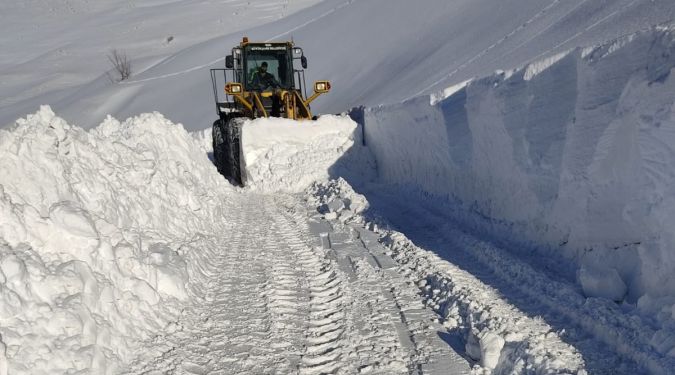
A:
{"x":233,"y":88}
{"x":321,"y":87}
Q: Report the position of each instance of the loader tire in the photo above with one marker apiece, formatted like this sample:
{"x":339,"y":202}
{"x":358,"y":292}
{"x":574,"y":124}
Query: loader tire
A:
{"x":233,"y":140}
{"x":220,"y":151}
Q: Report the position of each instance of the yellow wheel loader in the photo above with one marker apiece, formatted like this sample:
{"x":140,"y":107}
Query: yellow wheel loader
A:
{"x":260,"y":80}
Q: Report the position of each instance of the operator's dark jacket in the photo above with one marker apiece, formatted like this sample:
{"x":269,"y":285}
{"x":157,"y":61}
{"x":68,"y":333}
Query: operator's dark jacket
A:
{"x":262,"y":80}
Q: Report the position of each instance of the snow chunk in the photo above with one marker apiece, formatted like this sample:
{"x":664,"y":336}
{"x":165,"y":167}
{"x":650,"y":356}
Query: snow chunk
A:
{"x":604,"y":283}
{"x":485,"y":347}
{"x":447,"y":92}
{"x":72,"y":219}
{"x":286,"y":155}
{"x":539,"y":66}
{"x":337,"y":199}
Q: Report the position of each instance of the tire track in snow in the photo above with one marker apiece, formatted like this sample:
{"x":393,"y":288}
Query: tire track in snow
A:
{"x":266,"y":298}
{"x":388,"y":329}
{"x":327,"y":320}
{"x":248,"y":311}
{"x":251,"y":311}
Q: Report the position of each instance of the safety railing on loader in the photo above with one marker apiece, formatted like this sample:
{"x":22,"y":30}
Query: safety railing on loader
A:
{"x":224,"y":103}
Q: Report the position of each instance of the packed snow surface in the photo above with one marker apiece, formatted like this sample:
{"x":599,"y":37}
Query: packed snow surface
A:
{"x":286,"y":155}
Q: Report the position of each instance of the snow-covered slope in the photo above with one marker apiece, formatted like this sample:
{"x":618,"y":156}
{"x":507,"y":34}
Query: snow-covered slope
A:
{"x":53,"y":49}
{"x":376,"y":51}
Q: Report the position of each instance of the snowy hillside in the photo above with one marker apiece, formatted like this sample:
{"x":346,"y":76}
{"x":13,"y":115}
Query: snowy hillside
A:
{"x":406,"y":50}
{"x":56,"y":51}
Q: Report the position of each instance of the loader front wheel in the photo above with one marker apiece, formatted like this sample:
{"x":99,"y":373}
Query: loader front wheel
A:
{"x":220,"y":151}
{"x":233,"y":139}
{"x":226,"y":135}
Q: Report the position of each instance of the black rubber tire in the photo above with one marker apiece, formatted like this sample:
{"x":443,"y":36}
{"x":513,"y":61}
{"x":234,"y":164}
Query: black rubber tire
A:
{"x":220,"y":149}
{"x":234,"y":149}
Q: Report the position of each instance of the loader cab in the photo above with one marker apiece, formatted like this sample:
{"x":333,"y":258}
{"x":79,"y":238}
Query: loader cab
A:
{"x":245,"y":96}
{"x":247,"y":58}
{"x":279,"y":61}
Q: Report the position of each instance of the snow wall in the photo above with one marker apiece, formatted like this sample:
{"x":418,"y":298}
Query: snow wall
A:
{"x":575,"y":154}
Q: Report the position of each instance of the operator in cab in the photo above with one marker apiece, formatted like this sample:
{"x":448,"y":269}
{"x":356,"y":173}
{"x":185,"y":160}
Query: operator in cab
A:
{"x":262,"y":80}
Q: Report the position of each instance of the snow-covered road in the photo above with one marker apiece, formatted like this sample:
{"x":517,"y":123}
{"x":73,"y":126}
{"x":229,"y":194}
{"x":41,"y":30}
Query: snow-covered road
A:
{"x":287,"y":293}
{"x":525,"y":295}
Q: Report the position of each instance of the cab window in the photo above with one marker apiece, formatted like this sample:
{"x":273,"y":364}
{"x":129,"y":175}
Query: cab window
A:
{"x":277,"y":65}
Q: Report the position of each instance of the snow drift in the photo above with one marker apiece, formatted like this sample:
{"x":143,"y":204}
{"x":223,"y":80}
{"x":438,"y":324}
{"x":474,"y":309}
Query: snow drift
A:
{"x":95,"y":231}
{"x":571,"y":155}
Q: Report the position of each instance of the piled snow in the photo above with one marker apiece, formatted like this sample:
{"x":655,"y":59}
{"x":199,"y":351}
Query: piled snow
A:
{"x":286,"y":155}
{"x":602,"y":282}
{"x":572,"y":156}
{"x":94,"y":227}
{"x":336,"y":200}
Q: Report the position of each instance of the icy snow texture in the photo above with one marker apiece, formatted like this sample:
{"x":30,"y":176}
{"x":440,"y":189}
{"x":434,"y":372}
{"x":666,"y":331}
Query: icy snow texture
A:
{"x":574,"y":153}
{"x":285,"y":155}
{"x":337,"y":200}
{"x":492,"y":331}
{"x":92,"y":225}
